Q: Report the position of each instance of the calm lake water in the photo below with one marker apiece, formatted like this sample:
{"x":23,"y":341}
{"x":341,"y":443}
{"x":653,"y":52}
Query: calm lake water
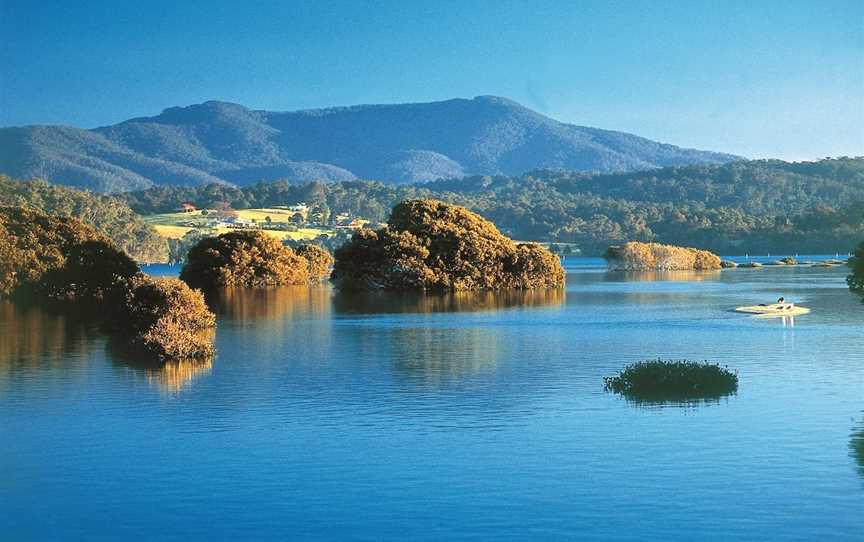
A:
{"x":327,"y":416}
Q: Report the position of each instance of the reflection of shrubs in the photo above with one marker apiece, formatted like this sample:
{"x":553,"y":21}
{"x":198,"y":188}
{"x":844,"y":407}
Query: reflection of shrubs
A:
{"x":430,"y":245}
{"x":250,"y":259}
{"x":167,"y":318}
{"x":319,"y":261}
{"x":378,"y":302}
{"x":856,"y":448}
{"x":658,"y":380}
{"x":636,"y":256}
{"x":856,"y":279}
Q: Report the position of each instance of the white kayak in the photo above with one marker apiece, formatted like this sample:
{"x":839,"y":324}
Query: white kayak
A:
{"x":774,"y":309}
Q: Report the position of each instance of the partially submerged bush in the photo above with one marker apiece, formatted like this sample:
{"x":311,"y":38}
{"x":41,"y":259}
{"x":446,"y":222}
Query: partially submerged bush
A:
{"x":659,"y":380}
{"x":48,"y":258}
{"x":636,"y":256}
{"x":250,"y":259}
{"x":431,"y":245}
{"x":167,"y":319}
{"x":856,"y":279}
{"x":319,"y":261}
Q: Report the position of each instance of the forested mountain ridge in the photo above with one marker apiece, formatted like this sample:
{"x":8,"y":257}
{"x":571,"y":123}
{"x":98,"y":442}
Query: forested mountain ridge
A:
{"x":762,"y":205}
{"x":219,"y":142}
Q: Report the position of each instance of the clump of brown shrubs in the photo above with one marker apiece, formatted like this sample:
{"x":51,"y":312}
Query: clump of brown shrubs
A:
{"x":167,"y":319}
{"x":319,"y":261}
{"x":636,"y":256}
{"x":45,"y":258}
{"x":431,"y":245}
{"x":250,"y":259}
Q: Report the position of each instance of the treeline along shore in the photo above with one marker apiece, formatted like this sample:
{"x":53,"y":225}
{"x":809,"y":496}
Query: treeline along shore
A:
{"x":756,"y":207}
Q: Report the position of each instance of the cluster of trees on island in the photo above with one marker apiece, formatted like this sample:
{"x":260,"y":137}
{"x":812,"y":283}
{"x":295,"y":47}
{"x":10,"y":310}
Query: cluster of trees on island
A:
{"x":426,"y":245}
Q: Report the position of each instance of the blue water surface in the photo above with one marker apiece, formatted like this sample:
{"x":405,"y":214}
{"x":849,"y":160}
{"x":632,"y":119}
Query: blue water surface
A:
{"x":405,"y":417}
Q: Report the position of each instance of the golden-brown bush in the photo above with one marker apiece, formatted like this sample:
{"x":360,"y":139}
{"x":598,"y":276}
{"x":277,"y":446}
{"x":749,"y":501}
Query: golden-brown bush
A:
{"x":636,"y":256}
{"x":43,"y":256}
{"x":250,"y":259}
{"x":167,"y":319}
{"x":431,"y":245}
{"x":319,"y":261}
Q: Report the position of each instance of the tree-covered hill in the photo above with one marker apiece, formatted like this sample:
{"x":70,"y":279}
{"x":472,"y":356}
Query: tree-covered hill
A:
{"x":218,"y":142}
{"x":732,"y":208}
{"x":107,"y":215}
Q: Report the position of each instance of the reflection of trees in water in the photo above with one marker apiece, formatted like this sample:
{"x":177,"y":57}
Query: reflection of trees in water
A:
{"x":856,"y":447}
{"x":168,"y":376}
{"x":396,"y":302}
{"x":434,"y":354}
{"x":271,"y":303}
{"x":32,"y":335}
{"x":655,"y":276}
{"x":173,"y":376}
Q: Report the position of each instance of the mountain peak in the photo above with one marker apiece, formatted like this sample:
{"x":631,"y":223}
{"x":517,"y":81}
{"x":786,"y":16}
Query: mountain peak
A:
{"x":218,"y":141}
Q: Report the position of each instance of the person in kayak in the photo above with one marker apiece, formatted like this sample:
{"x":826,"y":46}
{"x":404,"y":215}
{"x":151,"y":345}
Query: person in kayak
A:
{"x":785,"y":306}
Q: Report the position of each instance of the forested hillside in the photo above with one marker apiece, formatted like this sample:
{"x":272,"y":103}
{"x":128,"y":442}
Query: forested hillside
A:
{"x":107,"y":215}
{"x":754,"y":206}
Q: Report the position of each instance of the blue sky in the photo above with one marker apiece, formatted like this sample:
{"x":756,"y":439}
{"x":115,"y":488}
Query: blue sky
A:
{"x":757,"y":78}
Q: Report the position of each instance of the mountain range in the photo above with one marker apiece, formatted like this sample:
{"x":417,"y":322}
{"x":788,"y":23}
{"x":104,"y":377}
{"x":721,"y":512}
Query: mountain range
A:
{"x":220,"y":142}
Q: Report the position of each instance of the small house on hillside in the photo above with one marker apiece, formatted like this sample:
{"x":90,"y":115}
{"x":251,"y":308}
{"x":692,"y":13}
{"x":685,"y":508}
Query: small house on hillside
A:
{"x":186,"y":207}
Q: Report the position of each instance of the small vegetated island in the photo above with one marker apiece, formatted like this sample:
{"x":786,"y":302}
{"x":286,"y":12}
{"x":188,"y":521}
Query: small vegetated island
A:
{"x":661,"y":381}
{"x":429,"y":245}
{"x":60,"y":260}
{"x":252,"y":259}
{"x":636,"y":256}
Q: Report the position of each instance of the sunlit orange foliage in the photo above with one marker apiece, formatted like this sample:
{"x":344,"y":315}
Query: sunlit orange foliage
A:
{"x":636,"y":256}
{"x":250,"y":259}
{"x":431,"y":245}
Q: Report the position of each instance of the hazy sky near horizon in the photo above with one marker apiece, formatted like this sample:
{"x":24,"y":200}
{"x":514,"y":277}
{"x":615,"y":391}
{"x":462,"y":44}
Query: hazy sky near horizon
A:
{"x":781,"y":79}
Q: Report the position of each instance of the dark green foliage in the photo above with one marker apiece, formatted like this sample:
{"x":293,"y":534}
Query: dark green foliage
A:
{"x":106,"y":215}
{"x":223,"y":142}
{"x":756,"y":206}
{"x":431,"y":245}
{"x":856,"y":279}
{"x":659,"y":380}
{"x":94,"y":272}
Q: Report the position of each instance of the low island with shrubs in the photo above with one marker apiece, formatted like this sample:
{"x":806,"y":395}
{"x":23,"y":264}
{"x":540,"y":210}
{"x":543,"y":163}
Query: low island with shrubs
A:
{"x":659,"y":380}
{"x":429,"y":245}
{"x":58,"y":260}
{"x":637,"y":256}
{"x":252,"y":259}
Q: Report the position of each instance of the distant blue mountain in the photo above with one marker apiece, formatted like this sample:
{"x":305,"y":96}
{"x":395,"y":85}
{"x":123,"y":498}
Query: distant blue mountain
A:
{"x":219,"y":142}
